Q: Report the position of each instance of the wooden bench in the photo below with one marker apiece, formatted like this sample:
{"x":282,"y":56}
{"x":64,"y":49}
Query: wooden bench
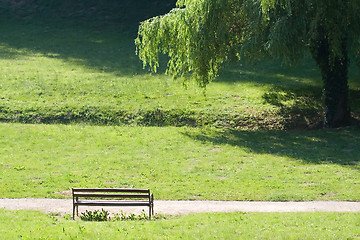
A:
{"x":112,"y":197}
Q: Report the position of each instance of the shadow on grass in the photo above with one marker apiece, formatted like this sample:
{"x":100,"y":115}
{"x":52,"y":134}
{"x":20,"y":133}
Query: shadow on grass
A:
{"x":341,"y":146}
{"x":109,"y":50}
{"x":94,"y":34}
{"x":296,"y":90}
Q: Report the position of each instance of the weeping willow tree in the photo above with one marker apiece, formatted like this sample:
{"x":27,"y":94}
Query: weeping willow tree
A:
{"x":200,"y":35}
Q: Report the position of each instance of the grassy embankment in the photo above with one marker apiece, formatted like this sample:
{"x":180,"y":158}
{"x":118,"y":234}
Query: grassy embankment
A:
{"x":60,"y":72}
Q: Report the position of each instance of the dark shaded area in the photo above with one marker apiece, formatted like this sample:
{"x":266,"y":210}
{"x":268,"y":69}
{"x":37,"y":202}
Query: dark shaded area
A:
{"x":296,"y":90}
{"x":334,"y":73}
{"x":91,"y":12}
{"x":109,"y":50}
{"x":300,"y":84}
{"x":317,"y":146}
{"x":94,"y":33}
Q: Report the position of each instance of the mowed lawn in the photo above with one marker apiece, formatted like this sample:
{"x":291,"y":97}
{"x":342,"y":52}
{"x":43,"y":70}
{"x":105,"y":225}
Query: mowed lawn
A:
{"x":180,"y":163}
{"x":36,"y":225}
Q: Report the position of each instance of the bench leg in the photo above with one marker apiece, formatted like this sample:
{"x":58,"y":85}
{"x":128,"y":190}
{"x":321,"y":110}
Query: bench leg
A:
{"x":77,"y":210}
{"x":73,"y":212}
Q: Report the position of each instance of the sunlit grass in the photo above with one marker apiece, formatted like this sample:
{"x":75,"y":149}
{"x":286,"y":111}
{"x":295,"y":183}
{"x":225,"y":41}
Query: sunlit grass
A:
{"x":180,"y":163}
{"x":36,"y":225}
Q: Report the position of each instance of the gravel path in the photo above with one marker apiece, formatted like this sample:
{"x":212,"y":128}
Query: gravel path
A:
{"x":64,"y":206}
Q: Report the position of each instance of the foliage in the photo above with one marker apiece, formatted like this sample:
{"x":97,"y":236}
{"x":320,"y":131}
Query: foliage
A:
{"x":331,"y":32}
{"x":142,"y":216}
{"x":104,"y":215}
{"x":300,"y":20}
{"x":97,"y":215}
{"x":199,"y":36}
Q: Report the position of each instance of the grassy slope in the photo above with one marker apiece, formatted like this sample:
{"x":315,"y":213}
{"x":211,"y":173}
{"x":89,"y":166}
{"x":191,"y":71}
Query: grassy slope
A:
{"x":180,"y":163}
{"x":36,"y":225}
{"x":63,"y":72}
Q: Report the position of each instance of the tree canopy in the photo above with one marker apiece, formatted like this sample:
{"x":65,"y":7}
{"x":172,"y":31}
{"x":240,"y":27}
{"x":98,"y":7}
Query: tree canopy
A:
{"x":200,"y":35}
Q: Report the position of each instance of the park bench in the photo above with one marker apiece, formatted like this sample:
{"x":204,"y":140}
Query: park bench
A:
{"x":112,"y":197}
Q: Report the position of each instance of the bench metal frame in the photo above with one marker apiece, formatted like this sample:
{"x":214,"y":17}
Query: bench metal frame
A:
{"x":112,"y":197}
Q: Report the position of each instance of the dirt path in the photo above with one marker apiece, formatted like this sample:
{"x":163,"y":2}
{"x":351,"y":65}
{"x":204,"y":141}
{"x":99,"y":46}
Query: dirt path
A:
{"x":64,"y":206}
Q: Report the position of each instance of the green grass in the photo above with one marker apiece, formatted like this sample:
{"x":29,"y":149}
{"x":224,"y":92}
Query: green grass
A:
{"x":36,"y":225}
{"x":180,"y":163}
{"x":56,"y":72}
{"x":65,"y":71}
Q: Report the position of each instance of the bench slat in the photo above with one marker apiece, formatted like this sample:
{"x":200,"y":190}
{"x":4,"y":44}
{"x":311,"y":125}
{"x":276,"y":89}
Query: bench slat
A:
{"x":111,"y":190}
{"x":105,"y":195}
{"x":94,"y":203}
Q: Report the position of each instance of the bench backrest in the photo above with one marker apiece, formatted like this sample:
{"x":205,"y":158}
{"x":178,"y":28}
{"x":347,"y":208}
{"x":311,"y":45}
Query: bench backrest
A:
{"x":121,"y":193}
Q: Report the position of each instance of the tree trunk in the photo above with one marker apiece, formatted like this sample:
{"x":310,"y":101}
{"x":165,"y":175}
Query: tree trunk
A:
{"x":337,"y":113}
{"x":334,"y":72}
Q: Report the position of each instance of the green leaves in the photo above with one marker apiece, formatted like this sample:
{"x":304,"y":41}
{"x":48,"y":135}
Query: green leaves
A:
{"x":97,"y":215}
{"x":200,"y":36}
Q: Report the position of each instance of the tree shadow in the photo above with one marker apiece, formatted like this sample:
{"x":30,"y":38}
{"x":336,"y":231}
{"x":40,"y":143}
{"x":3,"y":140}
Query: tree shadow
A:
{"x":105,"y":50}
{"x":92,"y":34}
{"x":304,"y":72}
{"x":296,"y":89}
{"x":339,"y":146}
